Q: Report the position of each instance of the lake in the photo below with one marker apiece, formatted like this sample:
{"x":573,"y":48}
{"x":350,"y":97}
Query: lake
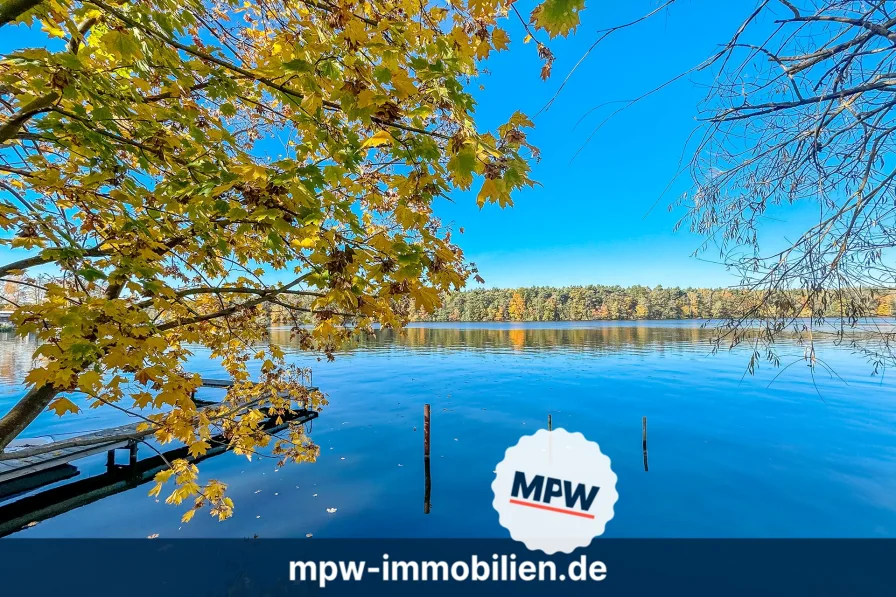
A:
{"x":802,"y":454}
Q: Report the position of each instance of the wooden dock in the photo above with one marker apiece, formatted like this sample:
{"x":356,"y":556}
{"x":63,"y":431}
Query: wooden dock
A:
{"x":34,"y":460}
{"x":217,"y":383}
{"x":28,"y":510}
{"x":42,"y":457}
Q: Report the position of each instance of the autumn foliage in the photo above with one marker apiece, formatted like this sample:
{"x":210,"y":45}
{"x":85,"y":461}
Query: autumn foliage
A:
{"x":175,"y":168}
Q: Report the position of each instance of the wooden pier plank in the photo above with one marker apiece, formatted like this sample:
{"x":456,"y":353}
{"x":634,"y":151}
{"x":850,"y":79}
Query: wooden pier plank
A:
{"x":16,"y":468}
{"x":32,"y":459}
{"x":208,"y":382}
{"x":52,"y":502}
{"x":13,"y":467}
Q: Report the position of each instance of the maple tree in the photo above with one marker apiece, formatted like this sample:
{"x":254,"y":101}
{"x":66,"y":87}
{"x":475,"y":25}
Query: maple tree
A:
{"x":180,"y":166}
{"x":517,"y":307}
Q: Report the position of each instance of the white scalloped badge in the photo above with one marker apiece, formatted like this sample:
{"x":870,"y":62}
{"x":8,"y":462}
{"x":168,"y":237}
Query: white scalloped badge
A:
{"x":554,"y":491}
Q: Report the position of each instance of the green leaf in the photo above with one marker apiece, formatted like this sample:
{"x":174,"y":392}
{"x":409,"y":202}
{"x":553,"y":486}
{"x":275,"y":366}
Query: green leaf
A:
{"x":121,"y":45}
{"x":493,"y":190}
{"x":296,"y":66}
{"x":91,"y":274}
{"x":558,"y":17}
{"x":521,"y":120}
{"x":462,"y":165}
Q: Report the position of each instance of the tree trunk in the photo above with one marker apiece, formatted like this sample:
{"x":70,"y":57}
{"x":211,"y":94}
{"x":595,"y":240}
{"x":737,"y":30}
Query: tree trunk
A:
{"x":25,"y":411}
{"x":37,"y":399}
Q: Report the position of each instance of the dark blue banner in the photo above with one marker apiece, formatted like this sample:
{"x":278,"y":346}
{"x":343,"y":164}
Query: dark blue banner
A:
{"x":692,"y":567}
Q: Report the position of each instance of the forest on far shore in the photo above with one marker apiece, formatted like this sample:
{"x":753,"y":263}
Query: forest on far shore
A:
{"x":596,"y":302}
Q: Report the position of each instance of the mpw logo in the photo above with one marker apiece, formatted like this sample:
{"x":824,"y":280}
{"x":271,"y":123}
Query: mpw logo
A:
{"x":544,"y":489}
{"x":554,"y":491}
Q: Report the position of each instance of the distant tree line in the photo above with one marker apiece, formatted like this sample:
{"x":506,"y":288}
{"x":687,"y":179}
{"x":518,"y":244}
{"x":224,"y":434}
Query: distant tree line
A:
{"x":596,"y":302}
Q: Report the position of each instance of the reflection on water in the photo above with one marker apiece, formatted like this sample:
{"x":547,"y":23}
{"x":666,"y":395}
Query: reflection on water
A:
{"x":805,"y":453}
{"x":15,"y":360}
{"x":578,"y":337}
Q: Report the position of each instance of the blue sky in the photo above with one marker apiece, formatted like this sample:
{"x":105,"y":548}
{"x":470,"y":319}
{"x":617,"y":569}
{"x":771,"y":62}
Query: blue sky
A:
{"x":588,"y":222}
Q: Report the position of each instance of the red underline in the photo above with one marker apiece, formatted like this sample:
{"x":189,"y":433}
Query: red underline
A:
{"x":550,"y":508}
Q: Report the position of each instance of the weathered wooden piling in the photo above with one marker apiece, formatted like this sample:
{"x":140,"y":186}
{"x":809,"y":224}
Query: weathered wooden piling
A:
{"x":644,"y":440}
{"x":426,"y":413}
{"x":550,"y":425}
{"x":427,"y":479}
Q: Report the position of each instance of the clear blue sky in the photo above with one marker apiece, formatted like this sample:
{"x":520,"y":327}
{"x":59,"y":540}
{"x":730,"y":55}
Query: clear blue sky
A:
{"x":588,"y":222}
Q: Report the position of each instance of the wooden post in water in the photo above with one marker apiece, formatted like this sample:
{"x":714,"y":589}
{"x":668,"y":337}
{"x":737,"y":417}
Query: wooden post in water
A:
{"x":644,"y":440}
{"x":427,"y":480}
{"x":550,"y":425}
{"x":426,"y":412}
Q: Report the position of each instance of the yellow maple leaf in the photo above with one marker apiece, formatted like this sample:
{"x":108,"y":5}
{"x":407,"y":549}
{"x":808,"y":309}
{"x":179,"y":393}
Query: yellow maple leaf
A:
{"x":403,"y":84}
{"x":63,"y":405}
{"x":424,"y":297}
{"x":483,"y":50}
{"x":37,"y":376}
{"x":381,"y":138}
{"x":199,"y":448}
{"x":500,"y":39}
{"x":355,"y":31}
{"x":488,"y":191}
{"x":366,"y":98}
{"x":89,"y":379}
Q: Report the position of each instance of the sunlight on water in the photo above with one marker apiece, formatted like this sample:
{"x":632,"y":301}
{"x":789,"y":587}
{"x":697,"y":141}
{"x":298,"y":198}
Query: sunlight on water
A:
{"x":786,"y":452}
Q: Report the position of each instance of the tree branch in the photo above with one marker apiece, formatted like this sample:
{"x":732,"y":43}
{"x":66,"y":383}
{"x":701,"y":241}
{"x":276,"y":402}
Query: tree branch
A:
{"x":23,"y":264}
{"x":41,"y":104}
{"x":245,"y":72}
{"x":32,"y":109}
{"x":10,"y":10}
{"x":232,"y":290}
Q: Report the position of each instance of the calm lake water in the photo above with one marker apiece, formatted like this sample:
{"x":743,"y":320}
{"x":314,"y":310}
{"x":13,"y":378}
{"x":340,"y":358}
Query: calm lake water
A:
{"x":730,"y":455}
